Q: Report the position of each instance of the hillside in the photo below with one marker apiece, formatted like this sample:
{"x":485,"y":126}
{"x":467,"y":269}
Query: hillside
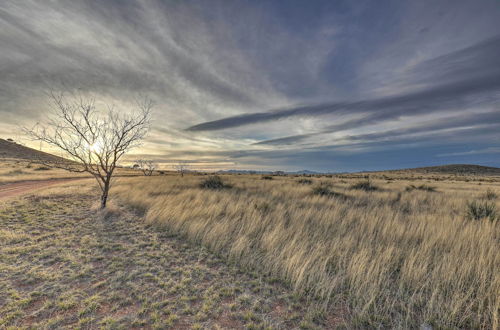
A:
{"x":14,"y":150}
{"x":456,"y":169}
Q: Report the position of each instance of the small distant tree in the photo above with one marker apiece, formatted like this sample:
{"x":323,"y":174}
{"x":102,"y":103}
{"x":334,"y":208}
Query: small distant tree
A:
{"x":147,"y":166}
{"x":93,"y":140}
{"x":181,"y":167}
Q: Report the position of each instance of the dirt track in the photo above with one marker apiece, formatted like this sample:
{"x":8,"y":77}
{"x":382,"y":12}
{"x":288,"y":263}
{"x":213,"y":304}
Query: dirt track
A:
{"x":18,"y":188}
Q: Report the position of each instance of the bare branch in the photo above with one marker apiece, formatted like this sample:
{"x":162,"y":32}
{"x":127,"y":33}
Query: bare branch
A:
{"x":93,"y":140}
{"x":147,"y":166}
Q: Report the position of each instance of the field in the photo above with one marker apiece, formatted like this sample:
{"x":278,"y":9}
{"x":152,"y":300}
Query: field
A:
{"x":16,"y":170}
{"x":388,"y":253}
{"x":65,"y":265}
{"x":385,"y":250}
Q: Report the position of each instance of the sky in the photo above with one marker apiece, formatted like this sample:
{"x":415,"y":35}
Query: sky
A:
{"x":329,"y":86}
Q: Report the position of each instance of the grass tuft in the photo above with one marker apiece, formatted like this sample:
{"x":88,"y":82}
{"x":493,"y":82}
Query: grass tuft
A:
{"x":366,"y":185}
{"x":42,"y":168}
{"x":490,"y":195}
{"x":478,"y":210}
{"x":214,"y":182}
{"x":422,"y":187}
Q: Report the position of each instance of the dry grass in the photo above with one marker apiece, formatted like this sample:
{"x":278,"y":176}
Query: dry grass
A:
{"x":390,"y":257}
{"x":15,"y":170}
{"x":65,"y":265}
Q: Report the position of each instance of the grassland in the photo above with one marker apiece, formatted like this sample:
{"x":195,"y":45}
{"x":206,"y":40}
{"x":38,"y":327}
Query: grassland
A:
{"x":16,"y":170}
{"x":65,"y":265}
{"x":397,"y":252}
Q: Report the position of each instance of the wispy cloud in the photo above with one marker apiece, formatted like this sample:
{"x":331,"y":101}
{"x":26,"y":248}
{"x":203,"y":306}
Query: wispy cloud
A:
{"x":490,"y":150}
{"x":468,"y":77}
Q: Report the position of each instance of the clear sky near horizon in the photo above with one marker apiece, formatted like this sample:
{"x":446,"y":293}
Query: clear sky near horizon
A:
{"x":271,"y":85}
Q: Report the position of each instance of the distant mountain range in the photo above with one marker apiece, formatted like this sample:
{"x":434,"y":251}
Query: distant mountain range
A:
{"x":455,"y":169}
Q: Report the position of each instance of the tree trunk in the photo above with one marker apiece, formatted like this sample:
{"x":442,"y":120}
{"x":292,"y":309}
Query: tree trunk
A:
{"x":104,"y":196}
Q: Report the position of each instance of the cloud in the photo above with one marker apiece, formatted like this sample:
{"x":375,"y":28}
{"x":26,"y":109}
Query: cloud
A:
{"x":467,"y":77}
{"x":490,"y":150}
{"x":352,"y":77}
{"x":463,"y":120}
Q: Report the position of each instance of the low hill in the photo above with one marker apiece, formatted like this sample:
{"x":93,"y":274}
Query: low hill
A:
{"x":13,"y":150}
{"x":454,"y":169}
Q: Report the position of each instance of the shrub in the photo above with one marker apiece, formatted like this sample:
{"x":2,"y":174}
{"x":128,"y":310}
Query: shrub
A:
{"x":214,"y":182}
{"x":364,"y":185}
{"x":16,"y":172}
{"x":321,"y":190}
{"x":42,"y":168}
{"x":490,"y":195}
{"x":267,"y":177}
{"x":481,"y":210}
{"x":305,"y":181}
{"x":423,"y":187}
{"x":324,"y":190}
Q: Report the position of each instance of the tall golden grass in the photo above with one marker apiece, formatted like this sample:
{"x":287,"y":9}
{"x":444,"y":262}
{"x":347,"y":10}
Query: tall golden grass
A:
{"x":391,"y":257}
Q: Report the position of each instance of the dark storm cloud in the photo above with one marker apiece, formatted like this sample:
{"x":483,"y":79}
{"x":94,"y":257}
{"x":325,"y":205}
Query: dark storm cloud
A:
{"x":467,"y":77}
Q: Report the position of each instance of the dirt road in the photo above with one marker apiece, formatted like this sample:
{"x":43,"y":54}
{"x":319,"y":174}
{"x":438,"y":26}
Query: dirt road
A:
{"x":18,"y":188}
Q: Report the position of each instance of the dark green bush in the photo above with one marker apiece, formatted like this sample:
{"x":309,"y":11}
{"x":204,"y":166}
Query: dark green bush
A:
{"x":325,"y":190}
{"x":364,"y":185}
{"x":481,"y":210}
{"x":42,"y":168}
{"x":305,"y":181}
{"x":214,"y":182}
{"x":267,"y":177}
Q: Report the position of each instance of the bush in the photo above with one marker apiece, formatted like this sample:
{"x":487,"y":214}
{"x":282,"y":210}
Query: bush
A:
{"x":481,"y":210}
{"x":364,"y":185}
{"x":321,"y":190}
{"x":267,"y":177}
{"x":305,"y":181}
{"x":42,"y":168}
{"x":16,"y":172}
{"x":423,"y":187}
{"x":490,"y":195}
{"x":214,"y":182}
{"x":324,"y":190}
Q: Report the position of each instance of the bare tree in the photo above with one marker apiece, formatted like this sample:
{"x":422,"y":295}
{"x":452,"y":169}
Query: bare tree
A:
{"x":147,"y":166}
{"x":93,"y":140}
{"x":181,"y":167}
